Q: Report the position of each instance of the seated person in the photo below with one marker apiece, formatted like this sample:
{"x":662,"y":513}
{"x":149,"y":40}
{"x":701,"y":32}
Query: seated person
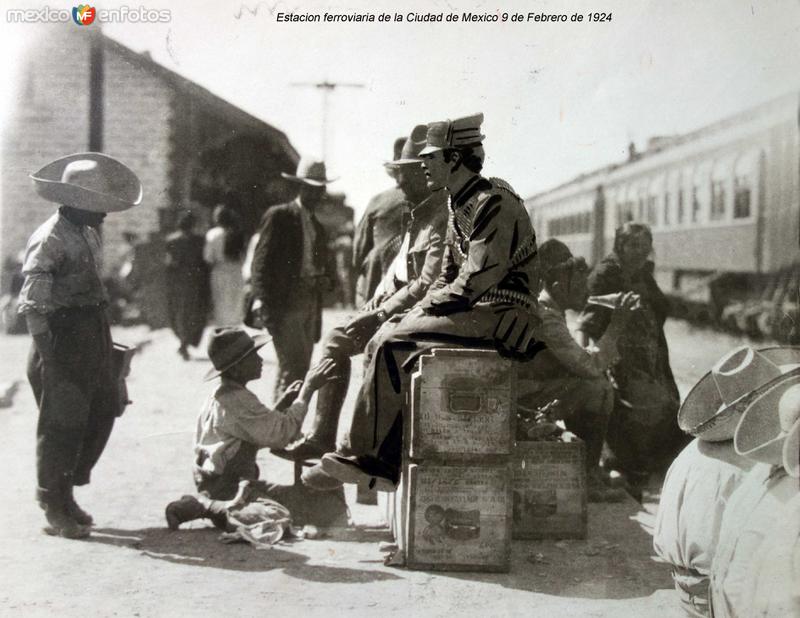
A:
{"x":693,"y":499}
{"x":407,"y":280}
{"x":567,"y":372}
{"x":485,"y":296}
{"x":760,"y":510}
{"x":234,"y":425}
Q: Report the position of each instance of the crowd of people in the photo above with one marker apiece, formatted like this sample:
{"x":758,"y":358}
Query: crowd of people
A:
{"x":447,"y":258}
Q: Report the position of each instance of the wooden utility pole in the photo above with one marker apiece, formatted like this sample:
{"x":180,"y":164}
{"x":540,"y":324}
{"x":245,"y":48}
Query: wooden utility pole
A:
{"x":326,"y":88}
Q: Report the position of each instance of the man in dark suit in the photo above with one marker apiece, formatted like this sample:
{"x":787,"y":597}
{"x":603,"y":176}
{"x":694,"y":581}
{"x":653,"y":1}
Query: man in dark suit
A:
{"x":289,"y":272}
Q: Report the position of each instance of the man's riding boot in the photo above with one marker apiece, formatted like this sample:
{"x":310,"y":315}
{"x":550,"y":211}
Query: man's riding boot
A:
{"x":189,"y":508}
{"x":321,"y":438}
{"x":61,"y":523}
{"x":72,"y":507}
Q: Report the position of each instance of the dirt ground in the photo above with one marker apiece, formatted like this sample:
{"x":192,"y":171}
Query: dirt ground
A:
{"x":133,"y":566}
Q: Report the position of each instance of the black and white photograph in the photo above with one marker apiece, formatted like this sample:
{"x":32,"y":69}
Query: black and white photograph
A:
{"x":431,"y":308}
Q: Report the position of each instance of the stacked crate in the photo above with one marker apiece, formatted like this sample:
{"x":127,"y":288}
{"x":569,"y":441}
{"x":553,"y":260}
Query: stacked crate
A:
{"x":454,"y":507}
{"x":549,"y":490}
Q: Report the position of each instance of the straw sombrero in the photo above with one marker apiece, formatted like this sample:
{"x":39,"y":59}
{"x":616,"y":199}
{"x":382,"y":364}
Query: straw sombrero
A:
{"x":769,"y":430}
{"x":715,"y":404}
{"x":89,"y":181}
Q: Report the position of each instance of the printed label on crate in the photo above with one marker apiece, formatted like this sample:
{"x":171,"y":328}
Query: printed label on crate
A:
{"x":549,"y":490}
{"x":462,"y":403}
{"x":459,"y":515}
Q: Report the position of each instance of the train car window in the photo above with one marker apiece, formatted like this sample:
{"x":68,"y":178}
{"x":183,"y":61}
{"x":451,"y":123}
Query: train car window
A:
{"x":695,"y":204}
{"x":667,"y":207}
{"x":741,"y":197}
{"x":744,"y":175}
{"x":681,"y":209}
{"x":717,"y":200}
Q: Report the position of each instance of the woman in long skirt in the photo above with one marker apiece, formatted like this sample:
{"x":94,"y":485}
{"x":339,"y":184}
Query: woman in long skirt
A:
{"x":224,"y":253}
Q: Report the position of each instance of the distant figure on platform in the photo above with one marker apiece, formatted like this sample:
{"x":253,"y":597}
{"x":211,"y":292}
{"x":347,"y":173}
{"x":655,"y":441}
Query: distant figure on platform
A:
{"x":566,"y":376}
{"x":64,"y":303}
{"x":234,"y":425}
{"x":377,"y":237}
{"x":642,"y":431}
{"x":187,"y":284}
{"x":224,"y":253}
{"x":291,"y":269}
{"x":343,"y":253}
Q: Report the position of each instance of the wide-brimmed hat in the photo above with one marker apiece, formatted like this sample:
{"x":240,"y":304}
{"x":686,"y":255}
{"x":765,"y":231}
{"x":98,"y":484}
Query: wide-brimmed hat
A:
{"x":459,"y":133}
{"x":763,"y":433}
{"x":310,"y":172}
{"x":228,"y":346}
{"x":89,"y":181}
{"x":712,"y":409}
{"x":409,"y":155}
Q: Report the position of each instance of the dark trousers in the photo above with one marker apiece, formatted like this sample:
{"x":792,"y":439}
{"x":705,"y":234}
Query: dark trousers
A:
{"x":390,"y":357}
{"x":76,"y":396}
{"x":294,"y":333}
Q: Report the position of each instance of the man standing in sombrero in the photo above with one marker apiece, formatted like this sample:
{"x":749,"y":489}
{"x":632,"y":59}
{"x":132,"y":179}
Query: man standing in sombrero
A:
{"x":64,"y":303}
{"x":290,"y":269}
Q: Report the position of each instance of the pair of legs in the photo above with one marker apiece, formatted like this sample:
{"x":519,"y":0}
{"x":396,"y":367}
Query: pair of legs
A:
{"x":223,"y":508}
{"x":294,"y":333}
{"x":373,"y":443}
{"x":78,"y":404}
{"x":321,"y":437}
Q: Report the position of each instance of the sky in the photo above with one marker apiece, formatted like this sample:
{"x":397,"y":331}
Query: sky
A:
{"x":559,"y":99}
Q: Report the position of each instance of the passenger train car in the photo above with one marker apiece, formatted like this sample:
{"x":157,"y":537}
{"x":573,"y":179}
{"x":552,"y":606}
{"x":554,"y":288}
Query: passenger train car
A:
{"x":723,"y":203}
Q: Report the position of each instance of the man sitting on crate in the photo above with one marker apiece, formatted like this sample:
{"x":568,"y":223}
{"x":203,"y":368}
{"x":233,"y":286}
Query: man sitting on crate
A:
{"x":567,"y":379}
{"x":484,"y":296}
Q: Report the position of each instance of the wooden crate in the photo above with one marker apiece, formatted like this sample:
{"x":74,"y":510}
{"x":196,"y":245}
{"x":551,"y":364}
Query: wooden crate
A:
{"x":462,"y":404}
{"x":549,"y":490}
{"x":457,"y":517}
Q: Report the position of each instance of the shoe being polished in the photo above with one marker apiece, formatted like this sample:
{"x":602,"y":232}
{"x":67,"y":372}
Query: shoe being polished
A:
{"x":364,"y":470}
{"x":302,"y":450}
{"x":314,"y":477}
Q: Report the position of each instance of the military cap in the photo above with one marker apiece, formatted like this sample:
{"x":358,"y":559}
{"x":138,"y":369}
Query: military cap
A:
{"x":459,"y":133}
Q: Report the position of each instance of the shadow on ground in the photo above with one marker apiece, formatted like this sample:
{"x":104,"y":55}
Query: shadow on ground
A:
{"x":202,"y":548}
{"x":616,"y":562}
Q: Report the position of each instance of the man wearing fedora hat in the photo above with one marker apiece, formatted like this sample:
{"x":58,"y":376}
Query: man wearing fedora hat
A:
{"x":289,"y":271}
{"x":378,"y":234}
{"x":64,"y":303}
{"x":406,"y":281}
{"x":233,"y":425}
{"x":486,"y":294}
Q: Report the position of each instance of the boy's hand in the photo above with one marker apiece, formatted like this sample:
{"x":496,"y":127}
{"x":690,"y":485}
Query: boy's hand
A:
{"x":320,"y":374}
{"x":289,"y":395}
